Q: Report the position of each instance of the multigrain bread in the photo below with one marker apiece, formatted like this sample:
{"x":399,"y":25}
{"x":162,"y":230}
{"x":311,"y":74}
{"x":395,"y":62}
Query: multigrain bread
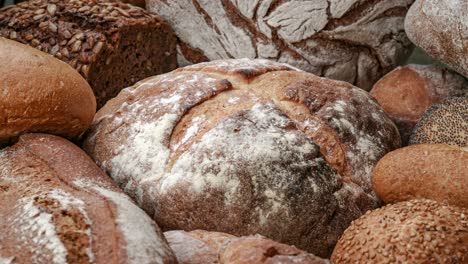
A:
{"x":357,"y":41}
{"x":408,"y":91}
{"x":416,"y":231}
{"x":444,"y":123}
{"x":113,"y":45}
{"x":245,"y":147}
{"x":433,"y":171}
{"x":440,"y":28}
{"x":39,"y":93}
{"x":202,"y":247}
{"x":57,"y":206}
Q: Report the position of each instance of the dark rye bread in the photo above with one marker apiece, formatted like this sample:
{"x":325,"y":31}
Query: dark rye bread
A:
{"x":244,"y":147}
{"x":357,"y":41}
{"x":58,"y":207}
{"x":113,"y":45}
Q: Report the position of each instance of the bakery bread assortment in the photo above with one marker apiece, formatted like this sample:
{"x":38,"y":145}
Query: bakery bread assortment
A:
{"x":113,"y":45}
{"x":283,"y":153}
{"x":408,"y":91}
{"x":201,"y":247}
{"x":444,"y":123}
{"x":433,"y":171}
{"x":57,"y":206}
{"x":39,"y":93}
{"x":356,"y":41}
{"x":265,"y":148}
{"x":417,"y":231}
{"x":440,"y":28}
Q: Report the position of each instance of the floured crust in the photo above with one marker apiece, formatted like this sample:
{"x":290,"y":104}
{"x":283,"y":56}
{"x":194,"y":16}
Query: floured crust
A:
{"x":272,"y":148}
{"x":356,"y":41}
{"x":58,"y":207}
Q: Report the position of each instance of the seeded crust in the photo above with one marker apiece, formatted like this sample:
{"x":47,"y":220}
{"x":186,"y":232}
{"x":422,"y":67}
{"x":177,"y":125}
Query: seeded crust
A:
{"x":200,"y":247}
{"x":57,"y":206}
{"x":245,"y":147}
{"x":98,"y":38}
{"x":444,"y":123}
{"x":416,"y":231}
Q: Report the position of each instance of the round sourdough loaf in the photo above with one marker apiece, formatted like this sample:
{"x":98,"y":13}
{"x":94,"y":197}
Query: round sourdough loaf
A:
{"x":201,"y":247}
{"x":245,"y":147}
{"x":417,"y":231}
{"x":408,"y":91}
{"x":58,"y":207}
{"x":39,"y":93}
{"x":356,"y":41}
{"x":440,"y":28}
{"x":434,"y":171}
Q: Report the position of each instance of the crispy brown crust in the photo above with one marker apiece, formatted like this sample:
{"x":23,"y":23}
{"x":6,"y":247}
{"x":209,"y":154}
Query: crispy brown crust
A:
{"x":41,"y":94}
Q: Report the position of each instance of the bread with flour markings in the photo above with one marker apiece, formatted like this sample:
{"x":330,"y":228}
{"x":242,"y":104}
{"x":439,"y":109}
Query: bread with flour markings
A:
{"x":58,"y":207}
{"x":244,"y":147}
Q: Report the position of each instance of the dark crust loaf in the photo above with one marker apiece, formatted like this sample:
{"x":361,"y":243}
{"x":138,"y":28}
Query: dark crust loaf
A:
{"x":357,"y":41}
{"x":98,"y":38}
{"x":57,"y":206}
{"x":282,"y":153}
{"x":201,"y":247}
{"x":444,"y":123}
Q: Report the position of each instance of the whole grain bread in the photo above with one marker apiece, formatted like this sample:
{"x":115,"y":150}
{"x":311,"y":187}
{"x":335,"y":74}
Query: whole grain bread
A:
{"x":57,"y":206}
{"x":39,"y":93}
{"x":245,"y":147}
{"x":112,"y":44}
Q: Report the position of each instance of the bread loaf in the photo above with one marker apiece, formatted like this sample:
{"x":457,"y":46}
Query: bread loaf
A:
{"x":416,"y":231}
{"x":408,"y":91}
{"x":440,"y":28}
{"x":433,"y":171}
{"x":57,"y":206}
{"x":283,"y":153}
{"x":357,"y":41}
{"x":113,"y":45}
{"x":39,"y":93}
{"x":201,"y":247}
{"x":444,"y":123}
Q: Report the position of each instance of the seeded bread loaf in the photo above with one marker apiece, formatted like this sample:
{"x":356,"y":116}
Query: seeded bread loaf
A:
{"x":112,"y":45}
{"x":357,"y":41}
{"x":201,"y":247}
{"x":58,"y":207}
{"x":39,"y":93}
{"x":282,"y":153}
{"x":408,"y":91}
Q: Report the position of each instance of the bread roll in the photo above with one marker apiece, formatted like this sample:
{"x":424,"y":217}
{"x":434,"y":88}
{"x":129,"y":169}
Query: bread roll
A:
{"x":113,"y":45}
{"x":283,"y":153}
{"x":440,"y":28}
{"x":444,"y":123}
{"x":433,"y":171}
{"x":201,"y":247}
{"x":416,"y":231}
{"x":57,"y":206}
{"x":41,"y":94}
{"x":408,"y":91}
{"x":357,"y":41}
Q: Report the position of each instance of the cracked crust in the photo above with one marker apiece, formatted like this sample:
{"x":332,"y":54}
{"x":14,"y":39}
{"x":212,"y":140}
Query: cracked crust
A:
{"x":357,"y":41}
{"x":57,"y":206}
{"x":283,"y":153}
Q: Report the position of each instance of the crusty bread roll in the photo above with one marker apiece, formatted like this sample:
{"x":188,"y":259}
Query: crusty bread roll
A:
{"x":58,"y":207}
{"x":416,"y":231}
{"x":245,"y":147}
{"x":444,"y":123}
{"x":434,"y":171}
{"x":408,"y":91}
{"x":39,"y":93}
{"x":356,"y":41}
{"x":440,"y":28}
{"x":202,"y":247}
